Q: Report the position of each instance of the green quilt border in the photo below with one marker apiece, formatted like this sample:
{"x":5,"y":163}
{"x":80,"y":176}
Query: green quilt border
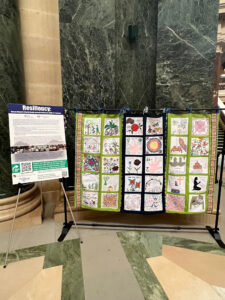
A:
{"x":190,"y":116}
{"x":103,"y":117}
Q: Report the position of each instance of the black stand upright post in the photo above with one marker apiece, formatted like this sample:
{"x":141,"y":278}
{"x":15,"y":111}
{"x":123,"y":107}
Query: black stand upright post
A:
{"x":67,"y":225}
{"x":215,"y":231}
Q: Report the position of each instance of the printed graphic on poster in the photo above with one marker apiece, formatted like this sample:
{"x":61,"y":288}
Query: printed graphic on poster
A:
{"x":37,"y":143}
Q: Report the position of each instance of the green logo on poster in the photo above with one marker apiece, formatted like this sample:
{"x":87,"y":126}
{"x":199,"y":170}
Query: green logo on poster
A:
{"x":15,"y":168}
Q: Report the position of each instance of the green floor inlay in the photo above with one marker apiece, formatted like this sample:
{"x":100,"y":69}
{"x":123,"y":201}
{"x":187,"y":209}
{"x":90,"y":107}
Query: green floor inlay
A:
{"x":141,"y":245}
{"x":138,"y":246}
{"x":67,"y":254}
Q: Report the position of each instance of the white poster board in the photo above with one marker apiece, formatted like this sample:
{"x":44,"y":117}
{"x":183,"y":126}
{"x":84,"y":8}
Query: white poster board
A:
{"x":37,"y":143}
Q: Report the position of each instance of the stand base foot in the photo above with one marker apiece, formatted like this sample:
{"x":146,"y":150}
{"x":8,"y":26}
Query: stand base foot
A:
{"x":215,"y":234}
{"x":65,"y":230}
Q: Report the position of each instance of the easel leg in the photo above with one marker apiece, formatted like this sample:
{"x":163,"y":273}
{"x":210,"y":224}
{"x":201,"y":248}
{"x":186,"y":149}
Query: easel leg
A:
{"x":68,"y":225}
{"x":12,"y":227}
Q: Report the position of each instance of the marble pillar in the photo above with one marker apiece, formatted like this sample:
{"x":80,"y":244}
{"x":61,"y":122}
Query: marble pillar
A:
{"x":11,"y":85}
{"x":186,"y":52}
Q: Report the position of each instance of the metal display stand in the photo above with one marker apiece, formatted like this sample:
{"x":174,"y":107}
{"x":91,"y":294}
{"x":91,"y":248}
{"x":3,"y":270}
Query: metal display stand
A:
{"x":14,"y":217}
{"x":214,"y":231}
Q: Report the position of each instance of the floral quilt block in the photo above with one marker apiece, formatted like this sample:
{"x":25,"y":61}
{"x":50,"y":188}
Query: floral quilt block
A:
{"x":188,"y":163}
{"x":98,"y":161}
{"x":143,"y":161}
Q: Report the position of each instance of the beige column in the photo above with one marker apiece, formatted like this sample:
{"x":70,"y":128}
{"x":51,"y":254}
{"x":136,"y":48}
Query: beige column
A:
{"x":41,"y":51}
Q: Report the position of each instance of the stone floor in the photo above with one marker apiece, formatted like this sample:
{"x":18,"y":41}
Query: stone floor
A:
{"x":109,"y":264}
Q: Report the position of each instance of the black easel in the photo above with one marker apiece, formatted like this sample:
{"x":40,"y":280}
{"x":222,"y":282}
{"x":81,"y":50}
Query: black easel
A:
{"x":213,"y":231}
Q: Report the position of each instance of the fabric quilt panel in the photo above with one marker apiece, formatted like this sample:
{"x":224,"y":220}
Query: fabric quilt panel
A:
{"x":143,"y":163}
{"x":188,"y":163}
{"x":98,"y":147}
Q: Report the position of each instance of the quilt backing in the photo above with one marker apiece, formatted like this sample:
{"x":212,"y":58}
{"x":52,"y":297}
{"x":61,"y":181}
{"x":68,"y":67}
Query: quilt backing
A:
{"x":188,"y":163}
{"x":98,"y":161}
{"x":143,"y":163}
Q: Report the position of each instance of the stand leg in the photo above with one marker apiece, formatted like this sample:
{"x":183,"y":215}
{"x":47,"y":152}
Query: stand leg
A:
{"x":67,"y":226}
{"x":215,"y":234}
{"x":12,"y":227}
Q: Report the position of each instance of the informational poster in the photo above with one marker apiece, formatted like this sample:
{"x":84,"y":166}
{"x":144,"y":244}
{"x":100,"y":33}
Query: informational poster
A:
{"x":37,"y":143}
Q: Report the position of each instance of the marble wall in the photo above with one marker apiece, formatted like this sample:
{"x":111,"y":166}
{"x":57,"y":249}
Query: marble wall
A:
{"x":186,"y":52}
{"x":11,"y":85}
{"x":100,"y":68}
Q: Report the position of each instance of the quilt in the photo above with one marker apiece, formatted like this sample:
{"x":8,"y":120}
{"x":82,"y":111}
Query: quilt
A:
{"x":188,"y":163}
{"x":143,"y":163}
{"x":98,"y":147}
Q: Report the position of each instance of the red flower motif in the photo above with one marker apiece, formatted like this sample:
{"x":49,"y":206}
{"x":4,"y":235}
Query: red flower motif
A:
{"x":135,"y":127}
{"x":91,"y":162}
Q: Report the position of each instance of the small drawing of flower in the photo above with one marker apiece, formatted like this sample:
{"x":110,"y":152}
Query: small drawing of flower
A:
{"x":137,"y":162}
{"x":134,"y":127}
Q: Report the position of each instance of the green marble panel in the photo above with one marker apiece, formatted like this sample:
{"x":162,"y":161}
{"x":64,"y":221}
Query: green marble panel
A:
{"x":11,"y":85}
{"x":193,"y":245}
{"x":67,"y":254}
{"x":186,"y":51}
{"x":138,"y":246}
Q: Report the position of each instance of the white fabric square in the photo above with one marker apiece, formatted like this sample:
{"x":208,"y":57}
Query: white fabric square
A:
{"x":153,"y":184}
{"x":200,"y":126}
{"x":90,"y":199}
{"x":110,"y":183}
{"x":177,"y":164}
{"x":91,"y":145}
{"x":178,"y":145}
{"x":199,"y":165}
{"x":154,"y":126}
{"x":111,"y":127}
{"x":133,"y":183}
{"x":134,"y":126}
{"x":154,"y":164}
{"x":90,"y":182}
{"x":133,"y":165}
{"x":198,"y":183}
{"x":176,"y":184}
{"x":153,"y":202}
{"x":132,"y":202}
{"x":179,"y":126}
{"x":197,"y":203}
{"x":134,"y":146}
{"x":111,"y":146}
{"x":92,"y":126}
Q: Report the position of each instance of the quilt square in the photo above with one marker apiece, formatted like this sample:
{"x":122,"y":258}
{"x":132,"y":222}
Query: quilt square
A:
{"x":176,"y":184}
{"x":197,"y":203}
{"x":90,"y":182}
{"x":111,"y":146}
{"x":110,"y":183}
{"x":154,"y":145}
{"x":90,"y":199}
{"x":111,"y":127}
{"x":109,"y":200}
{"x":199,"y":165}
{"x":154,"y":164}
{"x":153,"y":184}
{"x":133,"y":183}
{"x":179,"y":126}
{"x":133,"y":165}
{"x":91,"y":163}
{"x":175,"y":203}
{"x":110,"y":164}
{"x":154,"y":126}
{"x":91,"y":145}
{"x":200,"y":126}
{"x":134,"y":146}
{"x":198,"y":183}
{"x":200,"y":146}
{"x":177,"y":164}
{"x":132,"y":202}
{"x":92,"y":126}
{"x":134,"y":126}
{"x":153,"y":202}
{"x":178,"y":145}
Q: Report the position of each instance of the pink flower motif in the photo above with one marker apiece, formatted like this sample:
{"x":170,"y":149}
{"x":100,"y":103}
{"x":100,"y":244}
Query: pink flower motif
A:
{"x":200,"y":126}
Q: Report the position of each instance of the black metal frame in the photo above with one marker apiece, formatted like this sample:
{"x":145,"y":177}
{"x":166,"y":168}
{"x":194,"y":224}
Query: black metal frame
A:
{"x":214,"y":231}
